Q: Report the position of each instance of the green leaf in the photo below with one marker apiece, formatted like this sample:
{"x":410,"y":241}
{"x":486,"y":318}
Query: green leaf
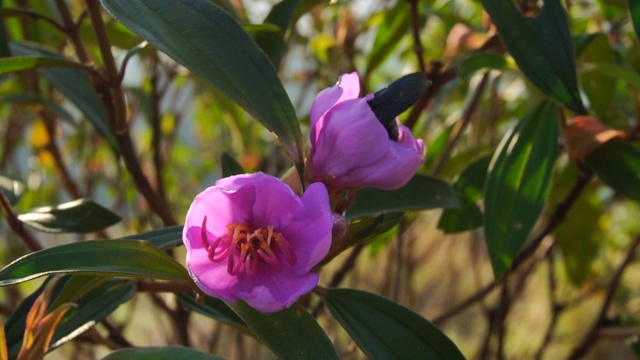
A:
{"x":617,"y":163}
{"x":598,"y":87}
{"x":384,"y":329}
{"x":159,"y":353}
{"x":468,"y":186}
{"x":364,"y":228}
{"x":76,"y":86}
{"x":273,"y":43}
{"x":11,"y":188}
{"x":518,"y":183}
{"x":164,"y":238}
{"x":230,"y":166}
{"x":421,"y":193}
{"x":634,"y":10}
{"x":482,"y":61}
{"x":213,"y":45}
{"x":391,"y":29}
{"x":541,"y":47}
{"x":92,"y":307}
{"x":580,"y":233}
{"x":466,"y":218}
{"x":18,"y":63}
{"x":291,"y":333}
{"x":78,"y":216}
{"x":215,"y":309}
{"x":104,"y":257}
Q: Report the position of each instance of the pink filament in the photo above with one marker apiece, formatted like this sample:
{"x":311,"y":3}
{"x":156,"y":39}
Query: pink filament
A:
{"x":244,"y":247}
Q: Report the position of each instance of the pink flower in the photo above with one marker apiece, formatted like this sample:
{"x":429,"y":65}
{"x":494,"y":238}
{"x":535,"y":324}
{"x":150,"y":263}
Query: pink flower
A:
{"x":250,"y":237}
{"x":352,"y":147}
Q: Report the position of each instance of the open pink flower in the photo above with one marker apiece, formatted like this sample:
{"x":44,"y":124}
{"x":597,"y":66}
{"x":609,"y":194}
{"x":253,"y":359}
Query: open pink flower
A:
{"x":250,"y":237}
{"x":352,"y":148}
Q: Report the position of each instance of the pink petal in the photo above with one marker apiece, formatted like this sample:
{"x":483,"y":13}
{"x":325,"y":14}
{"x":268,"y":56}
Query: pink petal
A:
{"x":310,"y":233}
{"x":348,"y":87}
{"x":274,"y":291}
{"x":352,"y":137}
{"x":211,"y":277}
{"x":222,"y":205}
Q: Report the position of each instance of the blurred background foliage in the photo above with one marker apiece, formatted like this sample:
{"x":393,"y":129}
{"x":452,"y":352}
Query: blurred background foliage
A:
{"x":577,"y":285}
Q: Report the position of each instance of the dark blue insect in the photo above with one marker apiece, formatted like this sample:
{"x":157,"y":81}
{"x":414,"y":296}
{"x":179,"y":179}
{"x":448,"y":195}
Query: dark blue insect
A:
{"x":394,"y":99}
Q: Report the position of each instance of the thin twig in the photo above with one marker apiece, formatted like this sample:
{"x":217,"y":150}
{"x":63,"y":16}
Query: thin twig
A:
{"x":462,"y":126}
{"x":555,"y":309}
{"x":556,"y":218}
{"x":592,"y":335}
{"x":16,"y":225}
{"x":415,"y":27}
{"x":113,"y":100}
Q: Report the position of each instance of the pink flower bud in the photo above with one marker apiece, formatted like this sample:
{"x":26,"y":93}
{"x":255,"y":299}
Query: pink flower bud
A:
{"x":351,"y":148}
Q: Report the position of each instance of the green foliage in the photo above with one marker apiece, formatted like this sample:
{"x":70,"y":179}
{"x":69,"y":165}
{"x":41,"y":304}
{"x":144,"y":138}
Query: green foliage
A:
{"x":244,"y":73}
{"x":291,"y":333}
{"x":386,"y":330}
{"x":159,"y":353}
{"x":79,"y":216}
{"x":118,"y":114}
{"x":110,"y":258}
{"x":518,"y":182}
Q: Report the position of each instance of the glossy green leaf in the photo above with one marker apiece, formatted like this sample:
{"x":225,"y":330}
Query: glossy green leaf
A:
{"x":11,"y":188}
{"x":18,"y":63}
{"x":364,"y":228}
{"x":214,"y":46}
{"x":273,"y":43}
{"x":91,"y":308}
{"x":75,"y":85}
{"x":542,"y":48}
{"x":104,"y":257}
{"x":164,"y":238}
{"x":617,"y":164}
{"x":421,"y":193}
{"x":291,"y":333}
{"x":634,"y":11}
{"x":230,"y":166}
{"x":384,"y":329}
{"x":518,"y":183}
{"x":213,"y":308}
{"x":159,"y":353}
{"x":468,"y":186}
{"x":481,"y":61}
{"x":465,"y":218}
{"x":78,"y":216}
{"x":390,"y":31}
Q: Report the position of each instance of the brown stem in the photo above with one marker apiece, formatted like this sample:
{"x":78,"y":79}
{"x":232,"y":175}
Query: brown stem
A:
{"x":555,"y":309}
{"x":462,"y":126}
{"x":556,"y":218}
{"x":415,"y":26}
{"x":72,"y":30}
{"x":591,"y":337}
{"x":155,"y":120}
{"x":113,"y":100}
{"x":16,"y":225}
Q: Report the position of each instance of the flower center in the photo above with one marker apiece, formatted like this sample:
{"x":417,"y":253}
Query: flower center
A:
{"x":244,"y":247}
